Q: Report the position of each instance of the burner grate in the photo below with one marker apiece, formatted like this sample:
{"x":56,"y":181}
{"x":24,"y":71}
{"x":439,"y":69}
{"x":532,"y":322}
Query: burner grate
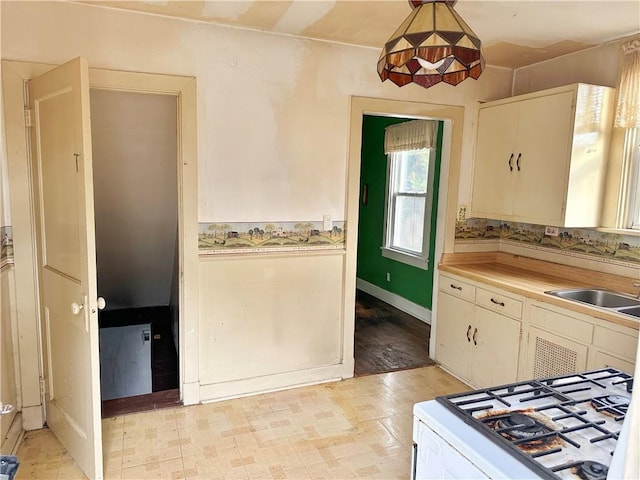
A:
{"x":575,"y":410}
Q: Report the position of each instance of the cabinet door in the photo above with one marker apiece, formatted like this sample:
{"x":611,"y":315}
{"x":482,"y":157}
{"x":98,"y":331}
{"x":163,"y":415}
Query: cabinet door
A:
{"x":455,"y":320}
{"x":543,"y":153}
{"x":550,"y":355}
{"x":493,"y":174}
{"x":495,"y":341}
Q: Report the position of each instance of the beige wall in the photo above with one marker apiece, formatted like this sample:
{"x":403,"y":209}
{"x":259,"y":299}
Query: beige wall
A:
{"x":598,"y":65}
{"x":273,"y":141}
{"x":272,"y":110}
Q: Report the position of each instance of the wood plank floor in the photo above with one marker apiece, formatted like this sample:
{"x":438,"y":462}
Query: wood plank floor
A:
{"x":387,"y":339}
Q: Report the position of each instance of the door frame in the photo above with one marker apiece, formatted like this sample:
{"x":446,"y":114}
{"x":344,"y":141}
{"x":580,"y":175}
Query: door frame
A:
{"x":20,"y":169}
{"x":453,"y":117}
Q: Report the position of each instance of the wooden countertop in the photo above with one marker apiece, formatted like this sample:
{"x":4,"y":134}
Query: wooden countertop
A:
{"x":531,"y":278}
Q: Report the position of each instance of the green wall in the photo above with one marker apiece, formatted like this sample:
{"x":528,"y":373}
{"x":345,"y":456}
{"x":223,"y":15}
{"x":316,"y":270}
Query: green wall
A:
{"x":409,"y":282}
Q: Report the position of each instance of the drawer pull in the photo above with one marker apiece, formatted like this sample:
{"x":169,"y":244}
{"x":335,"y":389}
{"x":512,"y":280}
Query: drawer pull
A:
{"x":455,"y":287}
{"x":475,"y":333}
{"x":497,"y":302}
{"x":468,"y":331}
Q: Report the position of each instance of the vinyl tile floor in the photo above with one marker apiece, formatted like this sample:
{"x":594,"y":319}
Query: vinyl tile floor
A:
{"x":351,"y":429}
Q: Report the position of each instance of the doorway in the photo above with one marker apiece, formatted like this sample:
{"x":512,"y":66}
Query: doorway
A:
{"x":453,"y":121}
{"x":394,"y":290}
{"x":82,"y":376}
{"x":134,"y":146}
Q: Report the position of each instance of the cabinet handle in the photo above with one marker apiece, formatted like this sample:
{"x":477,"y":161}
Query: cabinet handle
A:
{"x":468,"y":331}
{"x":475,"y":332}
{"x":518,"y":161}
{"x":511,"y":160}
{"x":497,"y":302}
{"x":455,"y":287}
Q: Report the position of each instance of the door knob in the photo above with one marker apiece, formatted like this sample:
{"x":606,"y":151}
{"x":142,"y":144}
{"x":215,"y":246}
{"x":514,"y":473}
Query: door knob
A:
{"x":101,"y":303}
{"x":76,"y":308}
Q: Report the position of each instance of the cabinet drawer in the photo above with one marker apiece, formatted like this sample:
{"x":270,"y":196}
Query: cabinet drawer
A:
{"x":604,"y":360}
{"x":457,"y":287}
{"x":561,"y":323}
{"x":499,"y":302}
{"x":620,"y":343}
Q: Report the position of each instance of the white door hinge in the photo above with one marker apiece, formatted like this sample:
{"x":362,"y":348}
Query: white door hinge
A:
{"x":27,"y":118}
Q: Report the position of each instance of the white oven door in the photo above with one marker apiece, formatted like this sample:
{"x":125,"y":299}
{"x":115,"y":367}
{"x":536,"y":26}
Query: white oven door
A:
{"x":448,"y":447}
{"x":436,"y":459}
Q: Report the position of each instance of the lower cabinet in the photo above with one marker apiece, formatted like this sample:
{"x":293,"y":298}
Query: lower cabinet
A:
{"x":487,"y":337}
{"x":496,"y":343}
{"x":453,"y":334}
{"x":474,"y":340}
{"x":551,"y":355}
{"x":613,"y":346}
{"x":556,"y":341}
{"x":559,"y":341}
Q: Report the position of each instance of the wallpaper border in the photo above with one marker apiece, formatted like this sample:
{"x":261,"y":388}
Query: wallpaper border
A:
{"x":577,"y":242}
{"x":265,"y":237}
{"x":6,"y":242}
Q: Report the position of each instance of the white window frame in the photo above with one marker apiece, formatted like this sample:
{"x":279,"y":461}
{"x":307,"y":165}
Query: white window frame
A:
{"x":421,"y":259}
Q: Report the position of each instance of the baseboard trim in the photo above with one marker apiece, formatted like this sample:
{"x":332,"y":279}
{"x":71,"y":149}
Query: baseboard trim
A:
{"x":395,"y":300}
{"x":15,"y":434}
{"x":269,"y":383}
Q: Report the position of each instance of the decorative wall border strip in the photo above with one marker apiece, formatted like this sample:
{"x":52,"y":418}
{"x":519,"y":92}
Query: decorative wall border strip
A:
{"x":259,"y":237}
{"x":6,"y":242}
{"x":576,"y":242}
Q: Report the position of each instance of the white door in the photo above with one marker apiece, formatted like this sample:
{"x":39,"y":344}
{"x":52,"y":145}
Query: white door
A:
{"x":59,"y":102}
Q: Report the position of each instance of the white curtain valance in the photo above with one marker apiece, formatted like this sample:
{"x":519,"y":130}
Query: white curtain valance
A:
{"x":412,"y":135}
{"x":628,"y":108}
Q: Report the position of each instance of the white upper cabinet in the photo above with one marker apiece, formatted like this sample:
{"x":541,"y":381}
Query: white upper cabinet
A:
{"x":541,"y":157}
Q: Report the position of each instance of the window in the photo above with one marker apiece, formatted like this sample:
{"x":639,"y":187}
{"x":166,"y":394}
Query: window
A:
{"x":628,"y":118}
{"x":409,"y":195}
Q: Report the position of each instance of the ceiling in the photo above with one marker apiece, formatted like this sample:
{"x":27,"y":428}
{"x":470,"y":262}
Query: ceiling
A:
{"x":513,"y":33}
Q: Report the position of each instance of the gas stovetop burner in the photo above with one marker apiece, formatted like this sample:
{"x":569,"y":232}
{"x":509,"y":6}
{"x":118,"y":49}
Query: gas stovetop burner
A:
{"x":563,"y":427}
{"x":615,"y":405}
{"x":592,"y":471}
{"x":520,"y":425}
{"x":617,"y":400}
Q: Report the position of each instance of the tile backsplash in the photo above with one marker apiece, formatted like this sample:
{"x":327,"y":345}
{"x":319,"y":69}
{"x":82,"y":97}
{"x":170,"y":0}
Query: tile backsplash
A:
{"x":606,"y":245}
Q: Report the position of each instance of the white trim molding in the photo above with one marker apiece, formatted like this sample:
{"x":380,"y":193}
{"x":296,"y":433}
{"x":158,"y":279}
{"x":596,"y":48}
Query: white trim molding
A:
{"x":407,"y":306}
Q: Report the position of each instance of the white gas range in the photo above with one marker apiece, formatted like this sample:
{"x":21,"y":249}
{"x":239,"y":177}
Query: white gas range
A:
{"x":557,"y":428}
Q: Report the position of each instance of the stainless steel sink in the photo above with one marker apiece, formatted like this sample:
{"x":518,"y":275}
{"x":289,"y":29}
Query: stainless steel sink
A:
{"x":598,"y":298}
{"x":635,"y":311}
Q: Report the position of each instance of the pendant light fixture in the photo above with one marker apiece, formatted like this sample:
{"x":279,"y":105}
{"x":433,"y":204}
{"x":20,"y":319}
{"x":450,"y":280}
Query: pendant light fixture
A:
{"x":433,"y":45}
